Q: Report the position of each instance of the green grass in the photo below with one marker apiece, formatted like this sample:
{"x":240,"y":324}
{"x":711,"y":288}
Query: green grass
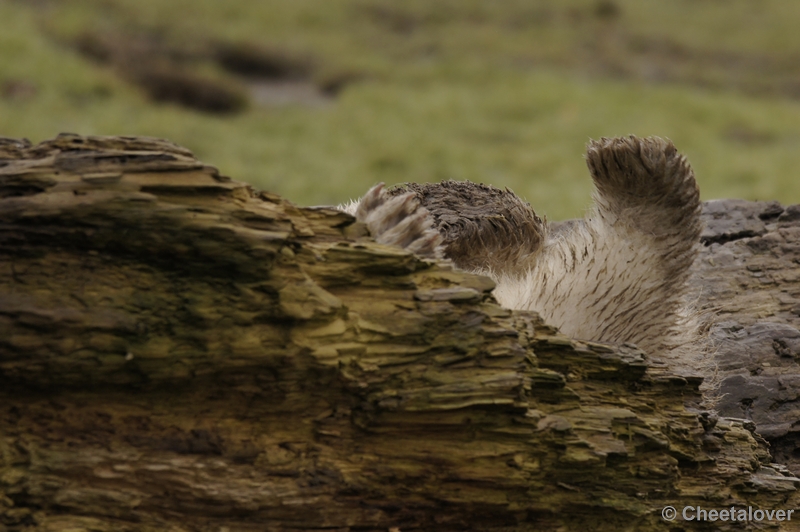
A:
{"x":506,"y":92}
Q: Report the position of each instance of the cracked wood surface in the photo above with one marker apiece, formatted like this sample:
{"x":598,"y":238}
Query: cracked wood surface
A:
{"x":748,"y":273}
{"x":179,"y":352}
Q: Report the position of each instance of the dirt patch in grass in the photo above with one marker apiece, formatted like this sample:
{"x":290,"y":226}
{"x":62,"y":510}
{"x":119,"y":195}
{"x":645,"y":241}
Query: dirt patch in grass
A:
{"x":163,"y":84}
{"x":252,"y":60}
{"x":214,"y":77}
{"x":276,"y":76}
{"x":165,"y":72}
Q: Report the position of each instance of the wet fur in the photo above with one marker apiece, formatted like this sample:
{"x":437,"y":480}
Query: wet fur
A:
{"x":618,"y":275}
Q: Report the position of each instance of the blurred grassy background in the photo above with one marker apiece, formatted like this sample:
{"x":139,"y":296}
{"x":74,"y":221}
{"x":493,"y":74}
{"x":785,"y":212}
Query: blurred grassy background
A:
{"x":319,"y":99}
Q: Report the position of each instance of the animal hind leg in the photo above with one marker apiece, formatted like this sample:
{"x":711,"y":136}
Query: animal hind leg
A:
{"x":647,"y":216}
{"x":647,"y":184}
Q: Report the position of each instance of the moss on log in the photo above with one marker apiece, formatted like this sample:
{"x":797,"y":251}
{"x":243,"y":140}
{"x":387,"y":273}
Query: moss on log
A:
{"x":180,"y":352}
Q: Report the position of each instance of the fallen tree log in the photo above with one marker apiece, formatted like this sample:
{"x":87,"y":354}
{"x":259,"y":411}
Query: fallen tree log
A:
{"x":748,"y":273}
{"x":180,"y":352}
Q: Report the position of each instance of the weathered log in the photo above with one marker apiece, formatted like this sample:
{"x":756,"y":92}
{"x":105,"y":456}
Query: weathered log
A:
{"x":180,"y":352}
{"x":748,"y":273}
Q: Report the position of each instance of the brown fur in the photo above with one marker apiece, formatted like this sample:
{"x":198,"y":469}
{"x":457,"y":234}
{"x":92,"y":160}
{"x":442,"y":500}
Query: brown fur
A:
{"x":483,"y":227}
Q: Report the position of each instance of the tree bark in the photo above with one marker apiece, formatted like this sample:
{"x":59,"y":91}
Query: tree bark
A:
{"x":180,"y":352}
